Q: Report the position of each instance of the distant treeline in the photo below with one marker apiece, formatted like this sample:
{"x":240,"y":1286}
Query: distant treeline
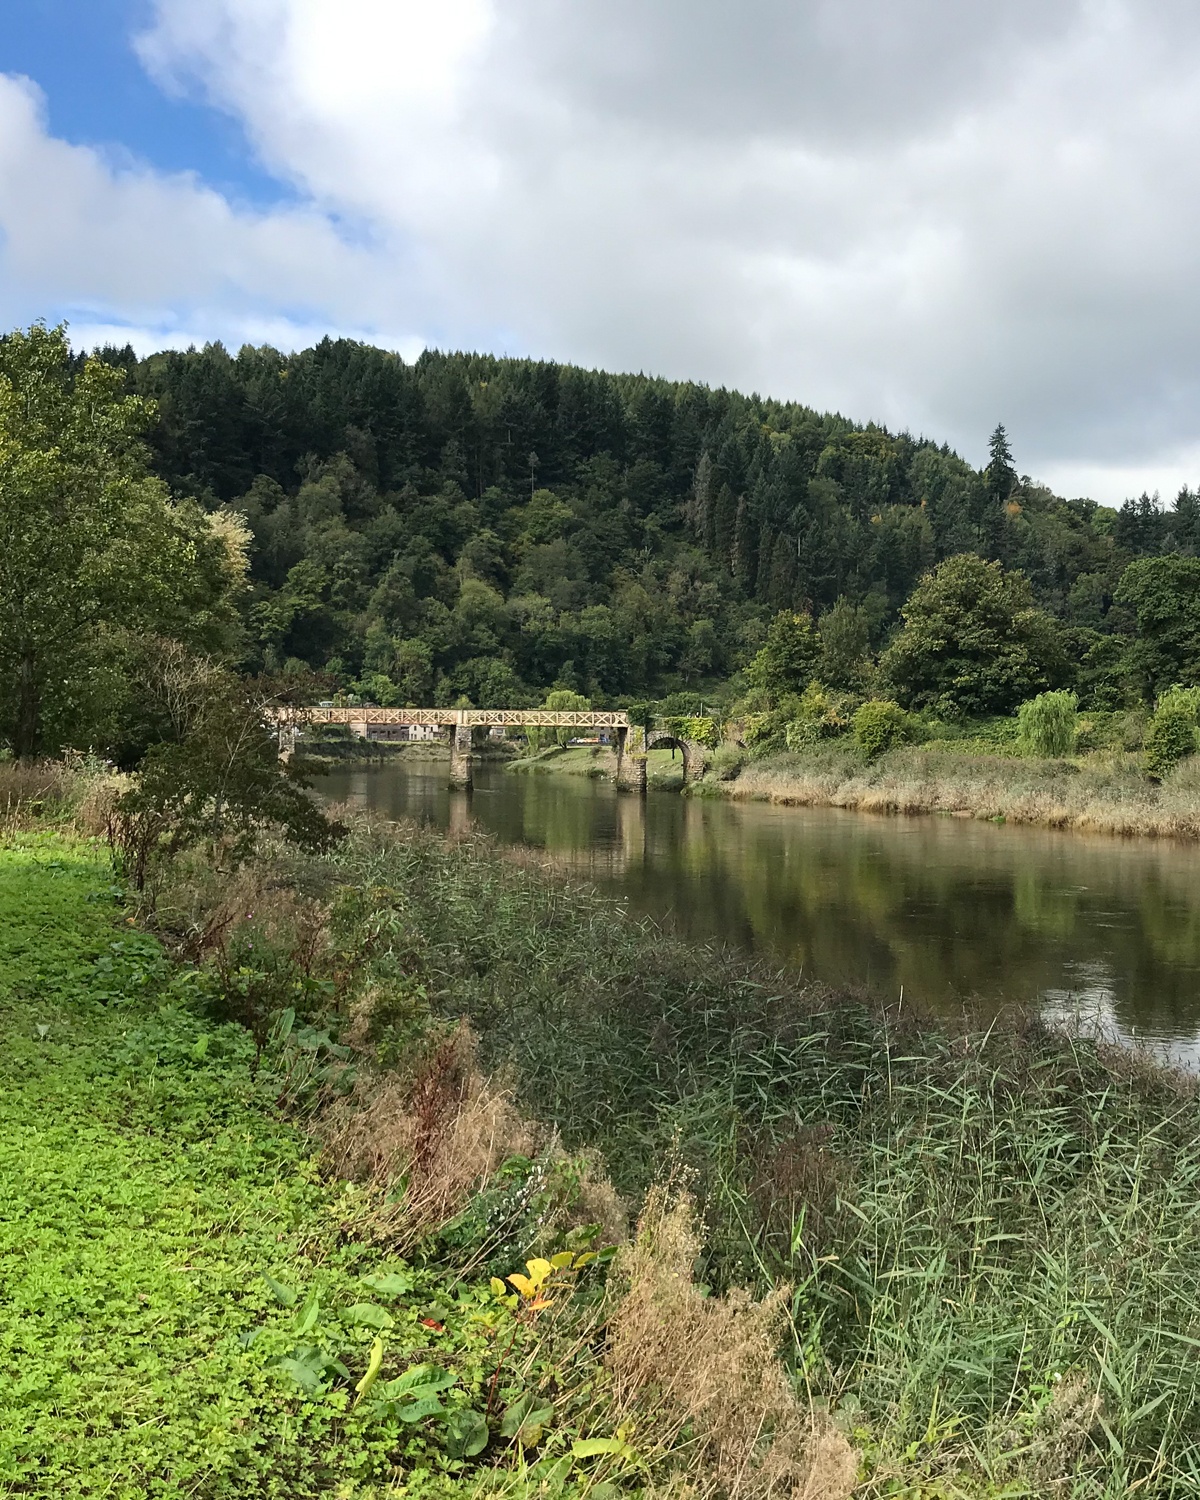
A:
{"x":481,"y":528}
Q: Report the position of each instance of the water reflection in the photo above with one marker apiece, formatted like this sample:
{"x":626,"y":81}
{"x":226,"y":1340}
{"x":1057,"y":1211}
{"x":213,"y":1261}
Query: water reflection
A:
{"x":944,"y":908}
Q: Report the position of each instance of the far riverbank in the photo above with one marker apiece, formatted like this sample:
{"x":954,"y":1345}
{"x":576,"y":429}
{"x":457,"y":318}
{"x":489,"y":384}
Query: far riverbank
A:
{"x":1098,"y":793}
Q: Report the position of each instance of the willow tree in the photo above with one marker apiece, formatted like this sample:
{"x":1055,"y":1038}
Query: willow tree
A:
{"x":91,"y":544}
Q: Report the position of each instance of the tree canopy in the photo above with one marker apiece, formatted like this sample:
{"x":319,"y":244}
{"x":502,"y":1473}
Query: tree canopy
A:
{"x":91,"y":545}
{"x":470,"y":529}
{"x":973,"y":642}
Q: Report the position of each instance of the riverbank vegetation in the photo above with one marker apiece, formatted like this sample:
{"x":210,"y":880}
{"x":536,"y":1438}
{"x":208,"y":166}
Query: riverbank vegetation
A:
{"x":1095,"y":794}
{"x":664,"y":768}
{"x":284,"y":1118}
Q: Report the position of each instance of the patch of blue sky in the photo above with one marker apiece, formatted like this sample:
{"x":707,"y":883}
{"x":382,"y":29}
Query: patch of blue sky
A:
{"x":80,"y":54}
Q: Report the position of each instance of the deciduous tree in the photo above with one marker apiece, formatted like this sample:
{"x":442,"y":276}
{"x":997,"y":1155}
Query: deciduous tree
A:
{"x":90,"y":543}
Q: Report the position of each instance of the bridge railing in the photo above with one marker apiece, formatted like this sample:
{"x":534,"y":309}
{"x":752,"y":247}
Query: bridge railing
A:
{"x":471,"y":718}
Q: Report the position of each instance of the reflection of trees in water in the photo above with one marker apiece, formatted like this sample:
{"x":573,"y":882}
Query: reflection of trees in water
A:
{"x":946,"y":908}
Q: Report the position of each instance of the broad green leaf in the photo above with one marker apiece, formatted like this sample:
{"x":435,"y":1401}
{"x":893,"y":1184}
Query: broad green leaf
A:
{"x":525,"y":1418}
{"x":306,"y":1375}
{"x":417,"y":1380}
{"x":466,"y":1434}
{"x":281,"y":1293}
{"x":394,"y":1284}
{"x":593,"y":1447}
{"x":427,"y":1406}
{"x":308,"y":1314}
{"x":369,"y":1315}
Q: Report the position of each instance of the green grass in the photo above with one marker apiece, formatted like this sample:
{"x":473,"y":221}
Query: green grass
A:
{"x":148,"y":1189}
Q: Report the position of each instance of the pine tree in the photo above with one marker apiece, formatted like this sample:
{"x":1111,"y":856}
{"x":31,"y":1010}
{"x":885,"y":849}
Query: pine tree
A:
{"x":1001,"y":476}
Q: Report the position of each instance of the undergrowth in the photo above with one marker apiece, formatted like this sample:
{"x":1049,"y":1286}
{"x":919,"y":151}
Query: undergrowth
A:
{"x":991,"y":1236}
{"x":274,"y":1194}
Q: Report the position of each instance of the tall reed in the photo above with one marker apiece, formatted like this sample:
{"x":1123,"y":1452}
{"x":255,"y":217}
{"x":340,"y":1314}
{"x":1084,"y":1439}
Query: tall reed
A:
{"x":993,"y":1234}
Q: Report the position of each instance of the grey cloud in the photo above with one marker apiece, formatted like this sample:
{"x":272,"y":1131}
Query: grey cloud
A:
{"x":832,"y":71}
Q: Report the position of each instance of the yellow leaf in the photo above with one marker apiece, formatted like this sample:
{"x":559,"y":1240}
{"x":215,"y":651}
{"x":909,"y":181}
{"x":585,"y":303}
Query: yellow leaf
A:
{"x":522,"y":1284}
{"x":373,"y":1364}
{"x":498,"y":1287}
{"x":562,"y":1260}
{"x":540,"y":1271}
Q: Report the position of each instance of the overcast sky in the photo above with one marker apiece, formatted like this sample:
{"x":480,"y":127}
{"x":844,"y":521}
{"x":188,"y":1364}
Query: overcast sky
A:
{"x":935,"y":214}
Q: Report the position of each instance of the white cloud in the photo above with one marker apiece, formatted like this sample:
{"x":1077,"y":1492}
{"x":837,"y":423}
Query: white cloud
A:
{"x":128,"y":253}
{"x":934,"y":214}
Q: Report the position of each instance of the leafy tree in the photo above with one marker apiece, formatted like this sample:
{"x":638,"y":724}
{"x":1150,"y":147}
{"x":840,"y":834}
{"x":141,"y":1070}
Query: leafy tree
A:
{"x":563,"y":700}
{"x":402,"y":486}
{"x":1172,"y":735}
{"x":1163,"y":593}
{"x":973,"y":643}
{"x":1049,"y":723}
{"x":788,"y":658}
{"x":845,"y":639}
{"x":90,"y":544}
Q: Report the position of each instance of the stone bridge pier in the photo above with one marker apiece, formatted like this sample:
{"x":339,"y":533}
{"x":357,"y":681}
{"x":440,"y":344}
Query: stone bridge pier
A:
{"x":462,"y":775}
{"x":629,"y":743}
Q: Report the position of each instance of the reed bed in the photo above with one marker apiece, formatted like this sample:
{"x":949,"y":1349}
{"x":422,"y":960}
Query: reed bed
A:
{"x":992,"y":1236}
{"x":1101,"y":793}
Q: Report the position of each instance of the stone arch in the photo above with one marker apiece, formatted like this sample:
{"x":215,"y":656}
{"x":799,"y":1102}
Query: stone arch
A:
{"x":692,"y":751}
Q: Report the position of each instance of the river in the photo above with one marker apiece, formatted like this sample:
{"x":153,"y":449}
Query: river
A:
{"x":944,"y":909}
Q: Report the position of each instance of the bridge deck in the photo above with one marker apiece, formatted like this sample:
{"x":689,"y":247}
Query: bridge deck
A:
{"x":541,"y":718}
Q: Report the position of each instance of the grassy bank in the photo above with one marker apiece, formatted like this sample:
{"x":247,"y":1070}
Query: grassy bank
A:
{"x":978,"y":1250}
{"x":1101,"y":793}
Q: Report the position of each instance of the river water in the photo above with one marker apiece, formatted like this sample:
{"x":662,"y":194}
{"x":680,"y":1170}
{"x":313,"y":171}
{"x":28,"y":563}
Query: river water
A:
{"x":945,"y":909}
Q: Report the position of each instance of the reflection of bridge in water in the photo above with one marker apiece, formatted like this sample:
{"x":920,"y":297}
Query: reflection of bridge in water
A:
{"x":630,"y":741}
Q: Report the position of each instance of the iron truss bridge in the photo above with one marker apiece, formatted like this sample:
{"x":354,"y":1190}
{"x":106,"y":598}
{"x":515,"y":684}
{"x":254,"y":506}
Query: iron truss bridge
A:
{"x":465,"y":718}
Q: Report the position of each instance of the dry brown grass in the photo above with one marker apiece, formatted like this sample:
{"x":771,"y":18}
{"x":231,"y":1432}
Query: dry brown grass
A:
{"x":209,"y":915}
{"x":442,"y":1132}
{"x":57,"y":791}
{"x":1096,"y":794}
{"x":688,"y":1368}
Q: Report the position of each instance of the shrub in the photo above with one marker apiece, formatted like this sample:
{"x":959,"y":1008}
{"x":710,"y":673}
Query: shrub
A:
{"x":1049,"y":723}
{"x":818,"y":715}
{"x":878,"y":725}
{"x":220,"y":782}
{"x":1171,"y":738}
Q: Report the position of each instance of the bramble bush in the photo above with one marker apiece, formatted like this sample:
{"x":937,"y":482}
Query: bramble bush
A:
{"x":878,"y":725}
